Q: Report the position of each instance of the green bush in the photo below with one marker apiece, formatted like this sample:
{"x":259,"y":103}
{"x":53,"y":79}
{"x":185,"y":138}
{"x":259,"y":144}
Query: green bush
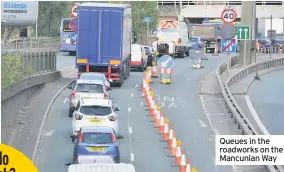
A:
{"x":12,"y":71}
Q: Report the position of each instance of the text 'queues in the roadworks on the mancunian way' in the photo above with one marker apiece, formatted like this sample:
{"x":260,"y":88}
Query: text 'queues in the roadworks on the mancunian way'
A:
{"x":249,"y":150}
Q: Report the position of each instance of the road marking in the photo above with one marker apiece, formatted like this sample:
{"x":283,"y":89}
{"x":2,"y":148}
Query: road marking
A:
{"x":47,"y":133}
{"x":172,"y":105}
{"x":202,"y":123}
{"x":255,"y":116}
{"x":66,"y":100}
{"x":207,"y":115}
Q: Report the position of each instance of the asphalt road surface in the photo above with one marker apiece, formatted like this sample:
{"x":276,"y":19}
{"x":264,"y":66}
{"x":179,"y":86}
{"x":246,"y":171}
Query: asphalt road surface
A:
{"x":266,"y":96}
{"x":149,"y":154}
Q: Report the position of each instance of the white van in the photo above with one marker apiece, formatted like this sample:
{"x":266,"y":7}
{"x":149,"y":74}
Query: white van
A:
{"x":101,"y":167}
{"x":138,"y":57}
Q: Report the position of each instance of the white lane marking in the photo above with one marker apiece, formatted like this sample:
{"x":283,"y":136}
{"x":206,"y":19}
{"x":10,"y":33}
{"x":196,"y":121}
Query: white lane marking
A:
{"x":255,"y":116}
{"x":202,"y":123}
{"x":47,"y":133}
{"x":207,"y":115}
{"x":66,"y":100}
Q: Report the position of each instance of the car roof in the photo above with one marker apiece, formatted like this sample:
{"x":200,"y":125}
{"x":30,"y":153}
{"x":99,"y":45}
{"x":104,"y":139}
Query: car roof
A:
{"x":88,"y":81}
{"x":96,"y":102}
{"x":93,"y":73}
{"x":96,"y":129}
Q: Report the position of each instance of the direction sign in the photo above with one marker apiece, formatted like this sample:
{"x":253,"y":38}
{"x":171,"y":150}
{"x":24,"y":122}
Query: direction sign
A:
{"x":228,"y":45}
{"x":73,"y":25}
{"x":147,"y":19}
{"x":73,"y":38}
{"x":243,"y":33}
{"x":73,"y":11}
{"x":166,"y":61}
{"x":229,"y":15}
{"x":228,"y":30}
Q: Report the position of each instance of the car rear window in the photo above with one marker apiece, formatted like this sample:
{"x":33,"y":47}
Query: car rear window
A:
{"x":89,"y":88}
{"x":147,"y":50}
{"x":95,"y":110}
{"x":193,"y":39}
{"x":97,"y":138}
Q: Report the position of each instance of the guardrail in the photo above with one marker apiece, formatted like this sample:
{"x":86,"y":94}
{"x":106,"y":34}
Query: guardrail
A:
{"x":15,"y":96}
{"x":31,"y":43}
{"x":235,"y":111}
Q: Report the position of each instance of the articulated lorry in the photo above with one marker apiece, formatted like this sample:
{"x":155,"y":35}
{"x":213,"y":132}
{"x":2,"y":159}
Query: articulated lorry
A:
{"x":104,"y":40}
{"x":207,"y":33}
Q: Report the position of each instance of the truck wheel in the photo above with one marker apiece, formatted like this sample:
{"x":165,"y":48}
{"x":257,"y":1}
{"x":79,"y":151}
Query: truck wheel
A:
{"x":120,"y":82}
{"x":142,"y":69}
{"x":126,"y":71}
{"x":187,"y":53}
{"x":70,"y":112}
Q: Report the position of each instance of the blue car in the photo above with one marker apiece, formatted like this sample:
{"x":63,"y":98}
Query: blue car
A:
{"x":97,"y":144}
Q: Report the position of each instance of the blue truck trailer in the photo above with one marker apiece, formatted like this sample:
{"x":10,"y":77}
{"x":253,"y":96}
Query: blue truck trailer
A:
{"x":104,"y":39}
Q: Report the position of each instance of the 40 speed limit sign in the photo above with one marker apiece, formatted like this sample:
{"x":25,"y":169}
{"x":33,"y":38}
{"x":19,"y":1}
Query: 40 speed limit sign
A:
{"x":229,"y":16}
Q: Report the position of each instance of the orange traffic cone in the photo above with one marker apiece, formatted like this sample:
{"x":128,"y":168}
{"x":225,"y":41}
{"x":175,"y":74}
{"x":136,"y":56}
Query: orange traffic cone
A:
{"x":154,"y":71}
{"x":215,"y":51}
{"x":182,"y":167}
{"x":281,"y":50}
{"x":173,"y":151}
{"x":188,"y":169}
{"x":158,"y":119}
{"x":171,"y":136}
{"x":156,"y":112}
{"x":178,"y":156}
{"x":152,"y":107}
{"x":166,"y":131}
{"x":162,"y":125}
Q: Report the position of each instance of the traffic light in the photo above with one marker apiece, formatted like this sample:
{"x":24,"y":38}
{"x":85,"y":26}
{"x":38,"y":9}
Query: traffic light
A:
{"x":134,"y":36}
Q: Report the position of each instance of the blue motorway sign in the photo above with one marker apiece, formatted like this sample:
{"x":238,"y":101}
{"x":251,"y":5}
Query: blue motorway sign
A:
{"x":73,"y":38}
{"x":229,"y":45}
{"x":147,"y":19}
{"x":166,"y":61}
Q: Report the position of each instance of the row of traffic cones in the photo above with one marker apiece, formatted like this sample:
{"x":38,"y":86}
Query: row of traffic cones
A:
{"x":164,"y":127}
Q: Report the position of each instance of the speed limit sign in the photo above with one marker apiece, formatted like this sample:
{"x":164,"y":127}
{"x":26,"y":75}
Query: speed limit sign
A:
{"x":229,"y":15}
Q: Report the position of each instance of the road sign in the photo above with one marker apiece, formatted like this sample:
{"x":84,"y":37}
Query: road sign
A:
{"x":228,"y":45}
{"x":73,"y":11}
{"x":73,"y":38}
{"x":147,"y":19}
{"x":166,"y":61}
{"x":73,"y":25}
{"x":229,"y":15}
{"x":243,"y":32}
{"x":228,"y":30}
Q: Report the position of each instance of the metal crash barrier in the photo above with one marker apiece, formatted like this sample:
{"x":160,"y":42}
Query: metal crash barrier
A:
{"x":272,"y":50}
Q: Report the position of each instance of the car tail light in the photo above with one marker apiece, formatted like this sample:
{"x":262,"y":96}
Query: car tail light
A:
{"x":80,"y":139}
{"x":78,"y":117}
{"x":113,"y":138}
{"x":112,"y":118}
{"x":78,"y":75}
{"x":73,"y":94}
{"x":179,"y":41}
{"x":105,"y":96}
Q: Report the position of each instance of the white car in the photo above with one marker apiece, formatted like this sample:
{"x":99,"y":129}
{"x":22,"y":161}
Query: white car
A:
{"x":94,"y":112}
{"x":95,"y":76}
{"x":86,"y":89}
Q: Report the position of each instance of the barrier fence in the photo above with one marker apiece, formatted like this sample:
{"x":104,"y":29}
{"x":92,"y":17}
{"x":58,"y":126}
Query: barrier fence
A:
{"x":23,"y":74}
{"x":235,"y":111}
{"x":31,"y":43}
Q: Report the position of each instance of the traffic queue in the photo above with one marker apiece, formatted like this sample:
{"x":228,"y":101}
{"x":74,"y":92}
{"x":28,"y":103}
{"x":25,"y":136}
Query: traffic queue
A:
{"x":94,"y":115}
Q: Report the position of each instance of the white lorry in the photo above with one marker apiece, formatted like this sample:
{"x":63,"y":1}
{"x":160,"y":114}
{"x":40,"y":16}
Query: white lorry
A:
{"x":172,"y":39}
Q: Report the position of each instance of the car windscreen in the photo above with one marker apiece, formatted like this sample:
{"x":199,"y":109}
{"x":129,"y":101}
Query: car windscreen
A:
{"x":89,"y":88}
{"x":97,"y":138}
{"x":169,"y":30}
{"x":147,"y":50}
{"x":95,"y":110}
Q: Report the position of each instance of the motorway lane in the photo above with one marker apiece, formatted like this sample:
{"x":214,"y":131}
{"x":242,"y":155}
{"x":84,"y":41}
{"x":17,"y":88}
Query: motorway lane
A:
{"x":184,"y":109}
{"x":56,"y":147}
{"x":65,"y":60}
{"x":266,"y":96}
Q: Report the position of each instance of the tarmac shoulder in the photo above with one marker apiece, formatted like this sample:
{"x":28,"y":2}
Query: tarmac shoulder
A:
{"x":25,"y":134}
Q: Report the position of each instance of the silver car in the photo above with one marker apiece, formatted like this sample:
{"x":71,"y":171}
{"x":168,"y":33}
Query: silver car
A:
{"x":95,"y":76}
{"x":86,"y":89}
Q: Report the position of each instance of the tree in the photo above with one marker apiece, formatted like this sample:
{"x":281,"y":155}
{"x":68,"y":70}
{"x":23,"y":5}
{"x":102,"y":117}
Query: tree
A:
{"x":141,"y":9}
{"x":49,"y":16}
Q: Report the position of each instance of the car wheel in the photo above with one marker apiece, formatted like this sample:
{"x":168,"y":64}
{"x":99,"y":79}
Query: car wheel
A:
{"x":70,"y":112}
